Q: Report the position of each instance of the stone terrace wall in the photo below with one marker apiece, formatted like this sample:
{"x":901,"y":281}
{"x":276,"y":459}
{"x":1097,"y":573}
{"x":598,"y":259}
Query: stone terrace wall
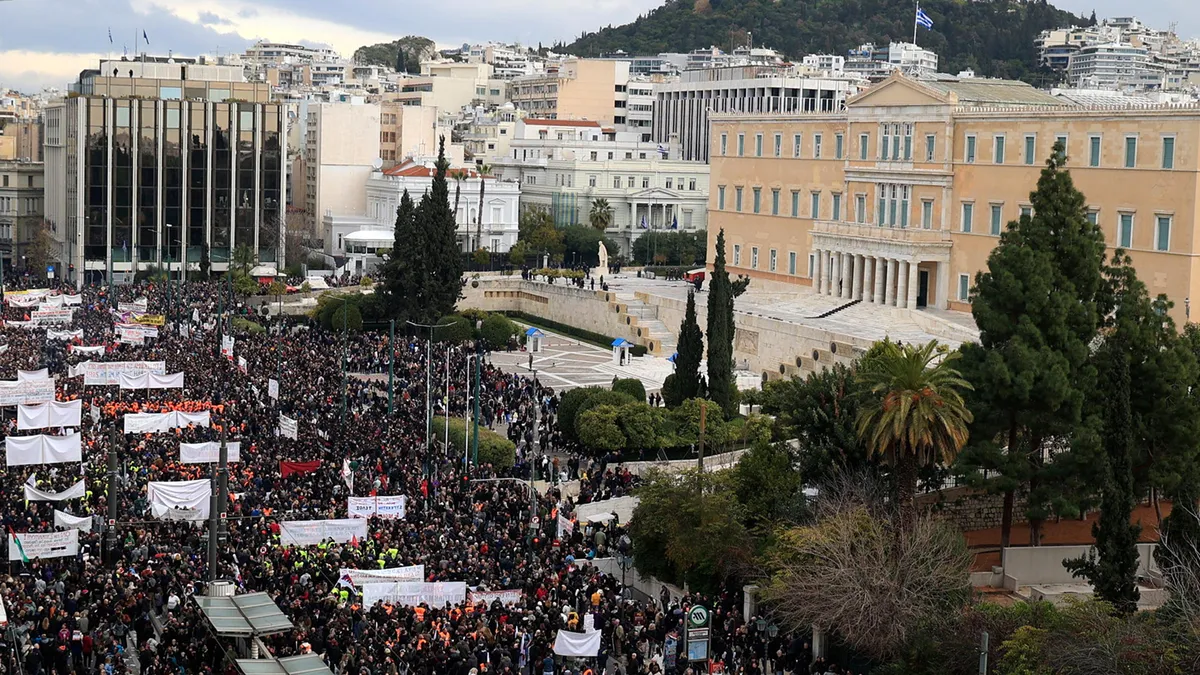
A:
{"x":969,"y":508}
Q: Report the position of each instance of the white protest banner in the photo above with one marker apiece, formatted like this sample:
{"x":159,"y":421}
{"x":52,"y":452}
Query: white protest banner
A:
{"x":273,"y":388}
{"x":46,"y":316}
{"x":567,"y":643}
{"x":242,"y":365}
{"x":139,"y":306}
{"x":13,"y":392}
{"x":80,"y":349}
{"x":20,"y":324}
{"x":389,"y":508}
{"x":388,"y":575}
{"x":151,"y":381}
{"x":33,"y":375}
{"x":138,"y":423}
{"x":52,"y":334}
{"x":32,"y":494}
{"x":311,"y":532}
{"x":227,"y":346}
{"x":184,"y":330}
{"x":94,"y":413}
{"x":22,"y":300}
{"x":191,"y":495}
{"x":360,"y":507}
{"x":52,"y":301}
{"x":35,"y":545}
{"x":130,"y":337}
{"x":109,"y":372}
{"x":505,"y":597}
{"x":565,"y":526}
{"x":69,"y":521}
{"x":288,"y":427}
{"x":26,"y":450}
{"x":69,"y":299}
{"x":412,"y":593}
{"x":3,"y":348}
{"x":207,"y":453}
{"x":48,"y":415}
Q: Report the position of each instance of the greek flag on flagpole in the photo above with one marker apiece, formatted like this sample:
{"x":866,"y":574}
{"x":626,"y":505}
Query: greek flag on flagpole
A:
{"x":923,"y":19}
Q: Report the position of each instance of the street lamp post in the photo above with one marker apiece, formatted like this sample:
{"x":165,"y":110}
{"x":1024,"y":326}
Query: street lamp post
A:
{"x":428,"y":386}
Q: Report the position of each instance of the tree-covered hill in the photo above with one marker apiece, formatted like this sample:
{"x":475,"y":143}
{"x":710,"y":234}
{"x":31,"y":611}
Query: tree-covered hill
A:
{"x":404,"y":54}
{"x":994,"y":37}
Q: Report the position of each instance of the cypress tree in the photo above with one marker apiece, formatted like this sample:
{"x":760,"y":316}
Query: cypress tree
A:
{"x":1038,"y":309}
{"x":686,"y":381}
{"x":404,"y":273}
{"x":720,"y":331}
{"x":441,"y":250}
{"x":1112,"y":568}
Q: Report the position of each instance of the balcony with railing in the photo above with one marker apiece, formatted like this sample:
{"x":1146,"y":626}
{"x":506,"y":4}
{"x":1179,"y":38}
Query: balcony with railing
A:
{"x":909,"y":235}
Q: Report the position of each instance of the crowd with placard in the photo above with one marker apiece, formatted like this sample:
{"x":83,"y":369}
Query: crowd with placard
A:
{"x":440,"y":572}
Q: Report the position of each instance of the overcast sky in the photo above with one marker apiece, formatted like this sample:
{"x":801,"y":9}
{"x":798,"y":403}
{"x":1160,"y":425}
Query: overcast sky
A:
{"x":47,"y":42}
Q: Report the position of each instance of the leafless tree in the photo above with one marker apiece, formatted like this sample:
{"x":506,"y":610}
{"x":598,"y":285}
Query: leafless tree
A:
{"x":855,"y":573}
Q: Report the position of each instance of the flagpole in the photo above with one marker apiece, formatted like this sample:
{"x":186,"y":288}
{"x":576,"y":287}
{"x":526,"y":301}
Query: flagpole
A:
{"x":915,"y":15}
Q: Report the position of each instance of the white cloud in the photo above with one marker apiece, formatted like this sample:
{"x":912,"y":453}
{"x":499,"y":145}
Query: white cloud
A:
{"x":244,"y":20}
{"x":30,"y":71}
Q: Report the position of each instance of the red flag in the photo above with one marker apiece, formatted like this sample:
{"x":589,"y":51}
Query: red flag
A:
{"x":425,"y":488}
{"x":353,"y":541}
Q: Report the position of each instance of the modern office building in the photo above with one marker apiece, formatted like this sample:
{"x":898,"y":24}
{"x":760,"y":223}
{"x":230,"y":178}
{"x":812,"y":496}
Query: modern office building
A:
{"x":563,"y":166}
{"x":151,"y":157}
{"x":899,"y":199}
{"x":682,"y":108}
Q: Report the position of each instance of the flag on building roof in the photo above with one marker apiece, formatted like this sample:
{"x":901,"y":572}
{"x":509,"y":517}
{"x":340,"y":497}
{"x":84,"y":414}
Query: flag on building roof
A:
{"x":923,"y":18}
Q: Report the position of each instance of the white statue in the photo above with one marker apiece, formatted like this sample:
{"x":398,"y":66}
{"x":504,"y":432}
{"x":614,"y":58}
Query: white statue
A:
{"x":603,"y":259}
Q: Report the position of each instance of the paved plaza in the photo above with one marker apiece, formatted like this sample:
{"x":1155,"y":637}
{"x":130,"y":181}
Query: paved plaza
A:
{"x":566,"y":363}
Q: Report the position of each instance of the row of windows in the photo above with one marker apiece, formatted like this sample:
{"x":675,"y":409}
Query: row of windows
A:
{"x":4,"y":180}
{"x":28,"y":205}
{"x":814,"y":204}
{"x":897,"y":145}
{"x":1095,"y":148}
{"x":772,"y":259}
{"x":669,"y":183}
{"x":797,"y":145}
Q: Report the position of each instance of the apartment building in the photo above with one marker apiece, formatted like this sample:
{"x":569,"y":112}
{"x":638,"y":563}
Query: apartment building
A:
{"x":22,"y":205}
{"x":565,"y":165}
{"x":342,"y":151}
{"x":899,"y":199}
{"x":151,"y":157}
{"x":683,"y":108}
{"x":407,"y":131}
{"x":22,"y":140}
{"x":577,"y":89}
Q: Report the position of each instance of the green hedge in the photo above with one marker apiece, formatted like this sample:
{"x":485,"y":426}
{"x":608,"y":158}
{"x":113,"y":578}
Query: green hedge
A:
{"x":577,"y":333}
{"x":493,"y":448}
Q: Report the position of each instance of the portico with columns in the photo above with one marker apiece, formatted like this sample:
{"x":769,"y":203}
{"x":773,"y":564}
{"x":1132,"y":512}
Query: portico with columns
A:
{"x":890,"y":267}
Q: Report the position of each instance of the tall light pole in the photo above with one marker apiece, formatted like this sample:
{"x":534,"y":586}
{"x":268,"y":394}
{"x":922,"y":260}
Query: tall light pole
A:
{"x":428,"y":386}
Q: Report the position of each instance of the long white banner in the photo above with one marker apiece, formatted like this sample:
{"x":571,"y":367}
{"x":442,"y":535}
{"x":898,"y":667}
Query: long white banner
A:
{"x":388,"y":575}
{"x":76,"y":491}
{"x":47,"y":415}
{"x":109,"y":372}
{"x":52,"y":334}
{"x":13,"y":392}
{"x":35,"y":545}
{"x":210,"y":452}
{"x":311,"y":532}
{"x":144,"y":423}
{"x":190,"y":495}
{"x":26,"y":450}
{"x":288,"y":427}
{"x":389,"y":508}
{"x":412,"y":593}
{"x":151,"y":381}
{"x":41,"y":317}
{"x":505,"y":597}
{"x":68,"y":521}
{"x":33,"y":375}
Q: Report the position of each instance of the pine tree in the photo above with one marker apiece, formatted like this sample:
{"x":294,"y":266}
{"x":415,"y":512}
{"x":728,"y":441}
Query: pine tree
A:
{"x":686,"y":383}
{"x":1037,"y":307}
{"x":720,"y":332}
{"x":1112,"y":568}
{"x":442,"y":251}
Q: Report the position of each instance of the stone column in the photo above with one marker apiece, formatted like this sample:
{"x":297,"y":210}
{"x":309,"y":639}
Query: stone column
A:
{"x":880,"y":274}
{"x":847,"y":275}
{"x":914,"y":285}
{"x":827,"y":271}
{"x":942,"y":290}
{"x":856,"y":292}
{"x":818,"y":279}
{"x":902,"y":284}
{"x":839,"y":261}
{"x":868,"y":283}
{"x":889,"y":293}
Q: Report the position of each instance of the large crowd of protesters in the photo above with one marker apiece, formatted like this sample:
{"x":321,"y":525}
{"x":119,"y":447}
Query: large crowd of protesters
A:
{"x":131,"y":610}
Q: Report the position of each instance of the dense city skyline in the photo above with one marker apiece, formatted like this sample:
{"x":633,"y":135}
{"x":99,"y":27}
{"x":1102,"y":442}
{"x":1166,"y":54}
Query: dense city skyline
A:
{"x":36,"y":54}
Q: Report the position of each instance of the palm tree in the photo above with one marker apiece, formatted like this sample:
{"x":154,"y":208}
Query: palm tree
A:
{"x":914,"y":413}
{"x":601,"y":215}
{"x":484,"y":170}
{"x":459,"y":176}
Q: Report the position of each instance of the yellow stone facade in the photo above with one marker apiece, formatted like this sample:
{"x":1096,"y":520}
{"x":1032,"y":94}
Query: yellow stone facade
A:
{"x":817,"y":200}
